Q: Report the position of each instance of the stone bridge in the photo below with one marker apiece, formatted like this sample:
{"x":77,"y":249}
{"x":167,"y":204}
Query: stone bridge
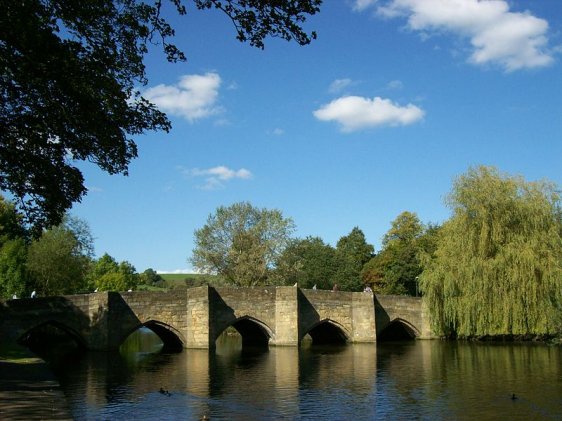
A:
{"x":196,"y":317}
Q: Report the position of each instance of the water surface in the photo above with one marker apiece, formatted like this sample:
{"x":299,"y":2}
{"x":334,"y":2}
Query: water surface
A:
{"x":410,"y":380}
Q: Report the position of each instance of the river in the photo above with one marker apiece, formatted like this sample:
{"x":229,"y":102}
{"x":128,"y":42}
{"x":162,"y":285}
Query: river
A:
{"x":430,"y":380}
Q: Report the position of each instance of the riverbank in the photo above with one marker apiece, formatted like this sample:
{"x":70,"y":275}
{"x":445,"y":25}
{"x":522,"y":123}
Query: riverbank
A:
{"x":508,"y":338}
{"x":30,"y":391}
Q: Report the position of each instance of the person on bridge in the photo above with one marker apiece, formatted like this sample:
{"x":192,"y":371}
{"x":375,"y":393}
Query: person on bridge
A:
{"x":335,"y":288}
{"x":34,"y":294}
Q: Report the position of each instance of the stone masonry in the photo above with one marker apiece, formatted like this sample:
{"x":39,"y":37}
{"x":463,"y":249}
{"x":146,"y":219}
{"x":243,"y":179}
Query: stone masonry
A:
{"x":195,"y":317}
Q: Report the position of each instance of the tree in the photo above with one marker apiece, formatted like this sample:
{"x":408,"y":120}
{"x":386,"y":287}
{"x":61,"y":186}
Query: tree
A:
{"x":81,"y":231}
{"x":114,"y":281}
{"x":13,"y":274}
{"x":382,"y":275}
{"x":241,"y":243}
{"x":121,"y":280}
{"x":129,"y":273}
{"x":105,"y":264}
{"x":108,"y":275}
{"x":150,"y":277}
{"x":247,"y":259}
{"x":11,"y":222}
{"x":352,"y":252}
{"x":307,"y":262}
{"x":396,"y":268}
{"x":13,"y":251}
{"x":70,"y":77}
{"x":405,"y":228}
{"x":56,"y":264}
{"x":498,"y":264}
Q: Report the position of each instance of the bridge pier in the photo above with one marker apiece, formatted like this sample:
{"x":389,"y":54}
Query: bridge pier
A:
{"x":286,"y":317}
{"x":98,"y":337}
{"x":197,"y":317}
{"x":363,"y":316}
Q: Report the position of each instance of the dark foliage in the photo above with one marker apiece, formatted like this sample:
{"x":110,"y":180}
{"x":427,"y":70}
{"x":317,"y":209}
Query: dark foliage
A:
{"x":69,"y":72}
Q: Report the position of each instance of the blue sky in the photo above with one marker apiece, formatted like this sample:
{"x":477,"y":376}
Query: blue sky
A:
{"x":377,"y":116}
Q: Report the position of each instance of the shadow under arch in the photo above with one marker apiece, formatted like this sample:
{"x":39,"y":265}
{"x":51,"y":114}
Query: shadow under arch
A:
{"x":398,"y":330}
{"x":172,"y":340}
{"x":254,"y":333}
{"x":328,"y":332}
{"x":52,"y":340}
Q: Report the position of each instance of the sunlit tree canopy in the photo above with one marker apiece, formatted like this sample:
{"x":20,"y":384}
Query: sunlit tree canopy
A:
{"x":498,"y":264}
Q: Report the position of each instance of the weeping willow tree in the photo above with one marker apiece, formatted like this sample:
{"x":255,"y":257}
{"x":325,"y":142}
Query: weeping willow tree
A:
{"x":497,"y":269}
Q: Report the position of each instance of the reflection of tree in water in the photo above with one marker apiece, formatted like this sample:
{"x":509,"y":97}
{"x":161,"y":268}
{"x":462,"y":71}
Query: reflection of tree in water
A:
{"x":400,"y":378}
{"x":464,"y":379}
{"x":331,"y":366}
{"x":82,"y":376}
{"x":341,"y":378}
{"x":102,"y":378}
{"x":245,"y":368}
{"x":140,"y":345}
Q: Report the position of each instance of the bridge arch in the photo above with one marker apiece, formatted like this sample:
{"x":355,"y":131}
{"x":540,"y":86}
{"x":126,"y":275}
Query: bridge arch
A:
{"x":328,"y":331}
{"x":254,"y":332}
{"x":43,"y":337}
{"x":398,"y":330}
{"x":172,"y":339}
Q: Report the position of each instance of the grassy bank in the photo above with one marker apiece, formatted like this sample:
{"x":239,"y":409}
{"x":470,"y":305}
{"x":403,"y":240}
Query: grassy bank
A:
{"x":189,"y":280}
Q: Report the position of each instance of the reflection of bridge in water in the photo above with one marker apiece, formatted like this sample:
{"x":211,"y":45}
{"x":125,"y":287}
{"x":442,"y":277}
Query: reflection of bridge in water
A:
{"x":199,"y":379}
{"x":196,"y":317}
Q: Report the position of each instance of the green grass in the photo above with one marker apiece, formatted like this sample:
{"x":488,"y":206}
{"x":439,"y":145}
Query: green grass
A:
{"x":177,"y":276}
{"x":143,"y":287}
{"x":16,"y":354}
{"x":183,"y":280}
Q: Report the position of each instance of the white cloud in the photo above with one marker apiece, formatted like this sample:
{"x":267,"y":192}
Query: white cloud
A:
{"x":277,"y":132}
{"x":193,"y":97}
{"x":360,"y":5}
{"x":513,"y":40}
{"x":216,"y":177}
{"x":395,"y":84}
{"x":339,"y":85}
{"x":356,"y":113}
{"x":222,"y":173}
{"x":222,"y":122}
